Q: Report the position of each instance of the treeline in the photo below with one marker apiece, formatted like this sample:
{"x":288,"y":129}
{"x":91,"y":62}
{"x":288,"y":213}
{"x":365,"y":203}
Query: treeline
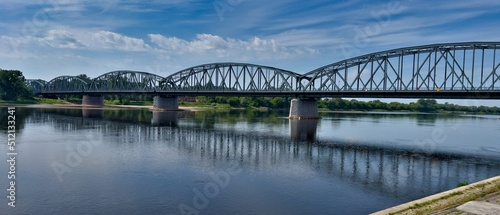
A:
{"x":119,"y":99}
{"x":246,"y":102}
{"x":132,"y":99}
{"x":13,"y":87}
{"x":338,"y":104}
{"x":422,"y":105}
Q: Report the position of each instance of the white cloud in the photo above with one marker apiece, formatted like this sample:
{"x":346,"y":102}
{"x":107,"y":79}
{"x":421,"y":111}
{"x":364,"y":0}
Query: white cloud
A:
{"x":213,"y":45}
{"x":60,"y":39}
{"x":255,"y":47}
{"x":96,"y":52}
{"x":111,"y":40}
{"x":64,"y":39}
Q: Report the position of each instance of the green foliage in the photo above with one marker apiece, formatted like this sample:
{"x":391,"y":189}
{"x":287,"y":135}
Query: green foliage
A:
{"x":12,"y":86}
{"x":242,"y":102}
{"x":422,"y":105}
{"x":233,"y":101}
{"x":427,"y":105}
{"x":338,"y":104}
{"x":19,"y":101}
{"x":462,"y":183}
{"x":112,"y":102}
{"x":202,"y":99}
{"x":50,"y":101}
{"x":278,"y":102}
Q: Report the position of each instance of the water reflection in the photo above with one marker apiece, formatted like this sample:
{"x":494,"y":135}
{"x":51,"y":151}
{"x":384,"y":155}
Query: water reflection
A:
{"x":20,"y":115}
{"x":426,"y":119}
{"x":421,"y":119}
{"x":303,"y":130}
{"x":395,"y":172}
{"x":92,"y":113}
{"x":301,"y":171}
{"x":168,"y":118}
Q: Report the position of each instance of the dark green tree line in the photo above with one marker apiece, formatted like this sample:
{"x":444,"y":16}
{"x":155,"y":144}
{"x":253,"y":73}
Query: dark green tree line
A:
{"x":422,"y":105}
{"x":12,"y":86}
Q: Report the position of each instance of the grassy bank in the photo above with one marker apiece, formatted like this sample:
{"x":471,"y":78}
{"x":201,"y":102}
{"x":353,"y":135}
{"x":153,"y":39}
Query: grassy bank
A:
{"x":138,"y":103}
{"x":51,"y":101}
{"x":207,"y":105}
{"x":328,"y":105}
{"x":8,"y":102}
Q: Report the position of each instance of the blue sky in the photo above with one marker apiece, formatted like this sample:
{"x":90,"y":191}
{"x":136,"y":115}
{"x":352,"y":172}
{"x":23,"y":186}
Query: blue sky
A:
{"x":48,"y":38}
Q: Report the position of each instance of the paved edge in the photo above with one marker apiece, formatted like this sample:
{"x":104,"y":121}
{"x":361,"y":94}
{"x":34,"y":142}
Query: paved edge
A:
{"x":405,"y":208}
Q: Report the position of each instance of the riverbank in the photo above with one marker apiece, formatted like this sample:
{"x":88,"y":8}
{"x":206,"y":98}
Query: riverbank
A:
{"x":213,"y":107}
{"x":424,"y":106}
{"x":106,"y":107}
{"x":482,"y":195}
{"x":70,"y":105}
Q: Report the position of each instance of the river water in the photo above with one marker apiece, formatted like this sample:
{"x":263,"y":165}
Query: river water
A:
{"x":73,"y":161}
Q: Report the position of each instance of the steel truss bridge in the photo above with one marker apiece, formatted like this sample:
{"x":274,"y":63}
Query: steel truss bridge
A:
{"x":454,"y":70}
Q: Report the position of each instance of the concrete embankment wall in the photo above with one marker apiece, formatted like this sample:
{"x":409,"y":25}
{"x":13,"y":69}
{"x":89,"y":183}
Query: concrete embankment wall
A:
{"x":446,"y":199}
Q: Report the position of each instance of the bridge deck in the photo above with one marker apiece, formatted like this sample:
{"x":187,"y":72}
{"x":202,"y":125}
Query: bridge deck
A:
{"x":310,"y":94}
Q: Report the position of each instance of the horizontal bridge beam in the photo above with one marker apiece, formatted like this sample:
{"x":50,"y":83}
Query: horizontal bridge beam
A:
{"x":326,"y":94}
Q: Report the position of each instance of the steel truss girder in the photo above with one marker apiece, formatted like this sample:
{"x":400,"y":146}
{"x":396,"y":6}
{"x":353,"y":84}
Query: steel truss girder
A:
{"x":128,"y":81}
{"x":438,"y":67}
{"x":36,"y":85}
{"x":232,"y":77}
{"x":460,"y":67}
{"x":66,"y":84}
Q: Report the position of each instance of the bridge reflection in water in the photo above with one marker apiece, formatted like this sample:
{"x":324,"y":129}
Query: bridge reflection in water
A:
{"x":304,"y":129}
{"x":92,"y":112}
{"x":388,"y":171}
{"x":159,"y":118}
{"x":168,"y":118}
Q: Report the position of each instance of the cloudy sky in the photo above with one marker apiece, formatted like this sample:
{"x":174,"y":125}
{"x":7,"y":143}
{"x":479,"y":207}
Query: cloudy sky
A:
{"x":48,"y":38}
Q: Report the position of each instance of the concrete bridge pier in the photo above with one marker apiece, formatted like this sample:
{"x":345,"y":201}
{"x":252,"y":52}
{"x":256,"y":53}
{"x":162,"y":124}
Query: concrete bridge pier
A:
{"x":166,"y":103}
{"x":93,"y":100}
{"x":304,"y":108}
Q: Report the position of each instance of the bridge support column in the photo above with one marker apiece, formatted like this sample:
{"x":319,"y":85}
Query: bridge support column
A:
{"x":163,"y":103}
{"x":304,"y":108}
{"x":93,"y":100}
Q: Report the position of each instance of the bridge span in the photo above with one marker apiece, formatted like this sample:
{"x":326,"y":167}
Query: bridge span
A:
{"x":466,"y":70}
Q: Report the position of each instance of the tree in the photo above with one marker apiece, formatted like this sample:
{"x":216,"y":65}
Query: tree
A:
{"x":233,"y":101}
{"x":83,"y":76}
{"x":277,"y":102}
{"x":12,"y":86}
{"x":426,"y":105}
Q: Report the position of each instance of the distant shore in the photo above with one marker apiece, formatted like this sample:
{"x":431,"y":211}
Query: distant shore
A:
{"x":106,"y":107}
{"x":69,"y":105}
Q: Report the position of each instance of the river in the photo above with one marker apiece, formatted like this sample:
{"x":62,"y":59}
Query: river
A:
{"x":133,"y":161}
